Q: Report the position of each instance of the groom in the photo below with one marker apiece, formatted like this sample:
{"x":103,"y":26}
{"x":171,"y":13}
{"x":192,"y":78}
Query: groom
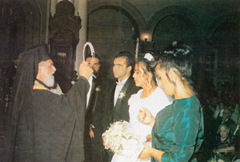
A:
{"x":119,"y":93}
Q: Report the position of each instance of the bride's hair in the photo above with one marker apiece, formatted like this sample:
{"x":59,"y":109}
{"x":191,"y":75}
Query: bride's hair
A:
{"x":148,"y":60}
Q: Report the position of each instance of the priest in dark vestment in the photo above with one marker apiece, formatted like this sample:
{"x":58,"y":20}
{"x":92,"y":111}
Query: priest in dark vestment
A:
{"x":43,"y":125}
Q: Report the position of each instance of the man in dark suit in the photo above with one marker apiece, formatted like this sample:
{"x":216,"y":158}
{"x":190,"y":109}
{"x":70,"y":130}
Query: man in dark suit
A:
{"x":93,"y":145}
{"x":117,"y":104}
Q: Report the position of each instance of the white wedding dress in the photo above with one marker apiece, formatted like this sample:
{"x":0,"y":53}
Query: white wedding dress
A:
{"x":154,"y":103}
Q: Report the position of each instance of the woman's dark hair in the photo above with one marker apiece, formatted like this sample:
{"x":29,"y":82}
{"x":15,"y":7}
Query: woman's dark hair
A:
{"x":179,"y":56}
{"x":148,"y":60}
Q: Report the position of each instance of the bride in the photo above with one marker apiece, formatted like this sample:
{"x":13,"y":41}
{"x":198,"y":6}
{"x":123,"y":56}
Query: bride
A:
{"x":149,"y":96}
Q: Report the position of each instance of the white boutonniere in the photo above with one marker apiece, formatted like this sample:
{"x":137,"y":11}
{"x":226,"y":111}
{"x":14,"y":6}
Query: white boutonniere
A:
{"x":121,"y":95}
{"x":98,"y":88}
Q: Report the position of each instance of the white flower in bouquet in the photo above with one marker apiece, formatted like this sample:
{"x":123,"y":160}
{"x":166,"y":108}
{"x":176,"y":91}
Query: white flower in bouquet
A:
{"x":121,"y":140}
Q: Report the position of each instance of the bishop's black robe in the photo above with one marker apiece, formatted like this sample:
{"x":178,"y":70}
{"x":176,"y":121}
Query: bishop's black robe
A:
{"x":51,"y":130}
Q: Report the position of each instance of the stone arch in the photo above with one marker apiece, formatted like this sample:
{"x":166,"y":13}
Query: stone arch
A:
{"x":184,"y":20}
{"x":223,"y":36}
{"x":223,"y":33}
{"x":174,"y":10}
{"x":231,"y":18}
{"x":124,"y":36}
{"x":130,"y":10}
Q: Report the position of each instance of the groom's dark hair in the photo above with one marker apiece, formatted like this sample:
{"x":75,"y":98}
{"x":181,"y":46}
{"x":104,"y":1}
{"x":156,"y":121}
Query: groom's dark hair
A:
{"x":129,"y":57}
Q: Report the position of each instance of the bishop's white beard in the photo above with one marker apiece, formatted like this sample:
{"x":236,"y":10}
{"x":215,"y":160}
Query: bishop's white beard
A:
{"x":49,"y":80}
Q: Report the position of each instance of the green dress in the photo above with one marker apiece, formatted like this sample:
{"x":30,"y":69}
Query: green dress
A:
{"x":178,"y":130}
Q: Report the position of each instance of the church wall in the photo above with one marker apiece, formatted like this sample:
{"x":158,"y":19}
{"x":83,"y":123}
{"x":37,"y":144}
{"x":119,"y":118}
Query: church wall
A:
{"x":205,"y":25}
{"x":211,"y":27}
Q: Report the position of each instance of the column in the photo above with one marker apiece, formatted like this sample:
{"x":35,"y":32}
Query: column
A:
{"x":81,"y":9}
{"x":53,"y":6}
{"x":47,"y":21}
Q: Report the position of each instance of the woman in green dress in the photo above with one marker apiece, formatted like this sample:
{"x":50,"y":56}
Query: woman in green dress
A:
{"x":177,"y":131}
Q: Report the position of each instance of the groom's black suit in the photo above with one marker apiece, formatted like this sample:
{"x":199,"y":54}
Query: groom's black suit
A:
{"x":120,"y":110}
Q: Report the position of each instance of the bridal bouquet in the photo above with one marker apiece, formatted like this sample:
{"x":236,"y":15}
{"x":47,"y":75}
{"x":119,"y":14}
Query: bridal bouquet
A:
{"x":121,"y":140}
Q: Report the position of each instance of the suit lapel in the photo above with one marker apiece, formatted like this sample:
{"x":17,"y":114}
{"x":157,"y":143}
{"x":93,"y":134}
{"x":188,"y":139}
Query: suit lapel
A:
{"x":95,"y":99}
{"x":122,"y":93}
{"x":92,"y":98}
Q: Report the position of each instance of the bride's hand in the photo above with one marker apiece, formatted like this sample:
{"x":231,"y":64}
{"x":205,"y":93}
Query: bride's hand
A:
{"x":149,"y":138}
{"x":146,"y":117}
{"x":145,"y":152}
